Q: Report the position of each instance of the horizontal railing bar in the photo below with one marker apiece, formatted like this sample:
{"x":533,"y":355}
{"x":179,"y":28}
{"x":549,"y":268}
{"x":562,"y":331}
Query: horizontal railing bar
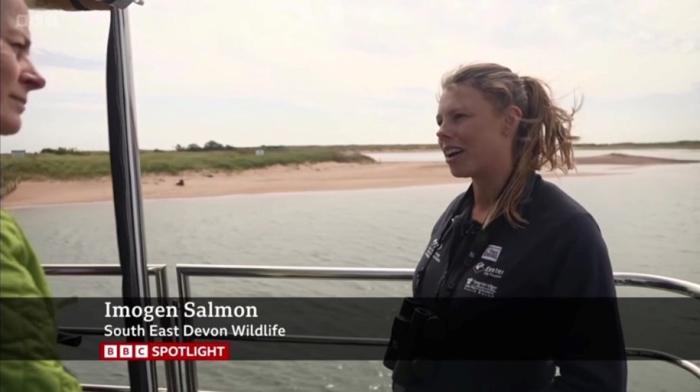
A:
{"x":622,"y":278}
{"x":338,"y":340}
{"x":311,"y":339}
{"x":660,"y":355}
{"x":115,"y":388}
{"x":677,"y":286}
{"x":264,"y":271}
{"x":82,"y":331}
{"x":108,"y":388}
{"x":261,"y":271}
{"x":92,"y":269}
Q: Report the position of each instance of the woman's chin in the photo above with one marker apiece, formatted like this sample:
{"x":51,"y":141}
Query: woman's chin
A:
{"x":460,"y":172}
{"x":10,"y":123}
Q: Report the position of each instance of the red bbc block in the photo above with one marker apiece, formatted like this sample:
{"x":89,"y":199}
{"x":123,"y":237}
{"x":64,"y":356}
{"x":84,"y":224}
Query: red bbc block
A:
{"x":165,"y":351}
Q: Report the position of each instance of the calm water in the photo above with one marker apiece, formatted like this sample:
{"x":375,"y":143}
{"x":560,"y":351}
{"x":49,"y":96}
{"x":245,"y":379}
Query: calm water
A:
{"x":649,"y":217}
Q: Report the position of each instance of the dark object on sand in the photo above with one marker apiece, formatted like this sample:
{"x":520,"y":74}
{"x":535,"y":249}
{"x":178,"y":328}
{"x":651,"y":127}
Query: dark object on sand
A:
{"x":181,"y":182}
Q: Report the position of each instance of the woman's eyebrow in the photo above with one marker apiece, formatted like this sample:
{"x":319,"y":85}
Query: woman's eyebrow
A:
{"x":453,"y":111}
{"x":18,"y":35}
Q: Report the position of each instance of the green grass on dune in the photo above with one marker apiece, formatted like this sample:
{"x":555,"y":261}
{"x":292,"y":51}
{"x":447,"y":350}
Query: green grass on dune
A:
{"x":70,"y":164}
{"x":96,"y":164}
{"x":177,"y":162}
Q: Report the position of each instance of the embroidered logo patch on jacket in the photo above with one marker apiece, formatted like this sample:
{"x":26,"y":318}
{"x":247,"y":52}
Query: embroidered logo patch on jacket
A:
{"x":491,"y":253}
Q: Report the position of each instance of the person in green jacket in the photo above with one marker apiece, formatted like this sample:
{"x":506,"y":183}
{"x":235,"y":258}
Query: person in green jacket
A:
{"x":27,"y":333}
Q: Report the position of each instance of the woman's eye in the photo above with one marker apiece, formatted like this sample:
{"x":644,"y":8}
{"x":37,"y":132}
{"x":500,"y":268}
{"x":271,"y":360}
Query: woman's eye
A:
{"x":18,"y":48}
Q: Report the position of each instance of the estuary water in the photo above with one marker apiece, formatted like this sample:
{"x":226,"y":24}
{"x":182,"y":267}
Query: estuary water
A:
{"x":649,"y":217}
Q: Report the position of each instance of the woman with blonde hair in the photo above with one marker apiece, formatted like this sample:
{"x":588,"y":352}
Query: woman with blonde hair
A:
{"x":510,"y":235}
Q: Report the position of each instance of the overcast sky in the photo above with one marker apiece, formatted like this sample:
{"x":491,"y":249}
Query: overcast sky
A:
{"x":249,"y":73}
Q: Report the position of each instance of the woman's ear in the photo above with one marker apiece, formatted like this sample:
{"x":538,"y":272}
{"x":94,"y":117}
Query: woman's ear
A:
{"x":512,"y":117}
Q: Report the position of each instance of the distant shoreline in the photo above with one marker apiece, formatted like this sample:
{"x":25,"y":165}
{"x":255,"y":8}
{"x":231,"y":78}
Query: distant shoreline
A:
{"x":681,"y":144}
{"x":626,"y":159}
{"x":290,"y":178}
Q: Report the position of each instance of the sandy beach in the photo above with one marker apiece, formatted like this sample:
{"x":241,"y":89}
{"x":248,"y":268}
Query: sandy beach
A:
{"x":299,"y":178}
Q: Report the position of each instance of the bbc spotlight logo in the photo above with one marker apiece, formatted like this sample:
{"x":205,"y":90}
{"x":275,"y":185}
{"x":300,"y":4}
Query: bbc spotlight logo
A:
{"x":165,"y":351}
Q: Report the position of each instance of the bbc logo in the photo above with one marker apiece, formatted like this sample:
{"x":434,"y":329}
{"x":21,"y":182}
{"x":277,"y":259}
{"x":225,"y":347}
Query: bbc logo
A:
{"x":125,"y":351}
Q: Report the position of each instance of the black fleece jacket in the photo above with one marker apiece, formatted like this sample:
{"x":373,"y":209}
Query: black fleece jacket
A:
{"x":559,"y":253}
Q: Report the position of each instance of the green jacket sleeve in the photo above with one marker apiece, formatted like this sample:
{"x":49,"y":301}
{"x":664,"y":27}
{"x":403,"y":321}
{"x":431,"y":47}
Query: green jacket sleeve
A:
{"x":26,"y":332}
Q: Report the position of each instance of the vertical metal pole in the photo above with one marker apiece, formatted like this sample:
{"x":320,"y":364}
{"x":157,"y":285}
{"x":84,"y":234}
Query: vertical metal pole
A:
{"x":124,"y":156}
{"x":172,"y":368}
{"x":184,"y":290}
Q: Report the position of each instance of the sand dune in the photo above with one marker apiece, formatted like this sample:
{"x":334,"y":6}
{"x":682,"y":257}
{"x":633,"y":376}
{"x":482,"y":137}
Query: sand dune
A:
{"x":324,"y":176}
{"x":625,"y":159}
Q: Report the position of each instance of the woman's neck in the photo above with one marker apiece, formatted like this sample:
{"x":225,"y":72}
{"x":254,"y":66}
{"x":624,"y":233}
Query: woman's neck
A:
{"x":487,"y":188}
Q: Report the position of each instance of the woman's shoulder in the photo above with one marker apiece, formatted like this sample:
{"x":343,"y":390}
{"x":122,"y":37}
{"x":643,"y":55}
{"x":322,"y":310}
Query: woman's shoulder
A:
{"x":21,"y":274}
{"x":9,"y":229}
{"x":550,"y":203}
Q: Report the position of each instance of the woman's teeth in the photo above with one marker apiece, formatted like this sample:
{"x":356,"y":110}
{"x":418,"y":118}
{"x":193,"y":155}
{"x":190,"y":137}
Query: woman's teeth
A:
{"x":451,"y":151}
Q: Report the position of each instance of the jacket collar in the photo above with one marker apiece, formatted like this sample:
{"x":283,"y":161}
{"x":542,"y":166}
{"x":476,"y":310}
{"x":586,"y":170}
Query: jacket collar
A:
{"x":465,"y":205}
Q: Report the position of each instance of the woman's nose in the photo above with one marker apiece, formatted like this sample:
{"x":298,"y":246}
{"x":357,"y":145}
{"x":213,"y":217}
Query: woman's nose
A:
{"x":441,"y":132}
{"x":32,"y":78}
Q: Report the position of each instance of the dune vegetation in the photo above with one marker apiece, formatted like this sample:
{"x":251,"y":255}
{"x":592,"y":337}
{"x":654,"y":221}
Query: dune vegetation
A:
{"x":69,"y":164}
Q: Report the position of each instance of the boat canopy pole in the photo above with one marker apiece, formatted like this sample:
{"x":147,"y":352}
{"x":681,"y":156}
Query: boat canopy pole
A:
{"x":124,"y":158}
{"x":126,"y":184}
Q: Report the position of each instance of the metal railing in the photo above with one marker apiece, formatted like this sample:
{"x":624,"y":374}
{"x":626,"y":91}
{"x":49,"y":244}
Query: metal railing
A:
{"x":116,"y":388}
{"x":159,"y":272}
{"x":184,"y":272}
{"x":678,"y":286}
